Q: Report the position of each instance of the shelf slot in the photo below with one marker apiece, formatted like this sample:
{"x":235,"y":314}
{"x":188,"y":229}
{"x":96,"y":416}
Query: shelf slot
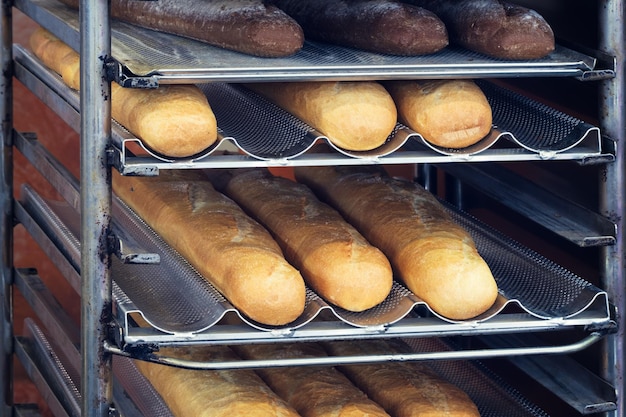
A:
{"x":126,"y":248}
{"x":569,"y":220}
{"x":577,"y":386}
{"x":58,"y":392}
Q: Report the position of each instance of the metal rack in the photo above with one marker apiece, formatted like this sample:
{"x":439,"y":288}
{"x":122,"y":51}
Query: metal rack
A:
{"x":95,"y":265}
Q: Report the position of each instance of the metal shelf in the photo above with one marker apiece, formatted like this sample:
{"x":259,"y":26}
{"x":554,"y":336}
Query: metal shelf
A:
{"x":134,"y":396}
{"x":283,"y":140}
{"x":142,"y":57}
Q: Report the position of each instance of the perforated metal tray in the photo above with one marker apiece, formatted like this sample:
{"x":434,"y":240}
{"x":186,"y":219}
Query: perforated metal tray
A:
{"x":180,"y":305}
{"x":255,"y":132}
{"x":145,"y":57}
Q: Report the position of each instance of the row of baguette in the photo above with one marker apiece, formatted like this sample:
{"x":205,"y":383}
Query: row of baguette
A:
{"x":178,"y":121}
{"x":338,"y":263}
{"x":345,"y":232}
{"x":276,"y":28}
{"x":398,"y":389}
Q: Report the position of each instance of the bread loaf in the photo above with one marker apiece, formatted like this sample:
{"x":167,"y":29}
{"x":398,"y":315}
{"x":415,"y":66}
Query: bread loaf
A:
{"x":435,"y":257}
{"x":231,"y":250}
{"x":354,"y":115}
{"x":172,"y":120}
{"x":403,"y":389}
{"x":314,"y":391}
{"x":447,"y":113}
{"x":335,"y":260}
{"x":57,"y":56}
{"x":494,"y":27}
{"x":220,"y":393}
{"x":247,"y":26}
{"x":382,"y":26}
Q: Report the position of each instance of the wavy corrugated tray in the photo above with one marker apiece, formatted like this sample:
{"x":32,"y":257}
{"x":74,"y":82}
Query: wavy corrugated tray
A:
{"x":261,"y":134}
{"x":145,"y":57}
{"x":181,"y":305}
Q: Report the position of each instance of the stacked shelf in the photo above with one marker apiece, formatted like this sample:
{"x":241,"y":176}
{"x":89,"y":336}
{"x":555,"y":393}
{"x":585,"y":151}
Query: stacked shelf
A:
{"x":536,"y":295}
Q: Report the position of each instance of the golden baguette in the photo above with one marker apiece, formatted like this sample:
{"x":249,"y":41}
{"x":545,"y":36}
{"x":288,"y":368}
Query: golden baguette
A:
{"x":334,"y":259}
{"x":430,"y":253}
{"x":403,"y":389}
{"x":208,"y":393}
{"x":231,"y":250}
{"x":447,"y":113}
{"x":314,"y":391}
{"x":354,"y":115}
{"x":172,"y":120}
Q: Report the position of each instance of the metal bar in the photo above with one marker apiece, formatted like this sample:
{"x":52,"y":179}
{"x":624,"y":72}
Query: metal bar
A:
{"x":6,"y":210}
{"x":362,"y":359}
{"x":95,"y":92}
{"x":613,"y":124}
{"x":583,"y":390}
{"x":25,"y":354}
{"x":50,"y":312}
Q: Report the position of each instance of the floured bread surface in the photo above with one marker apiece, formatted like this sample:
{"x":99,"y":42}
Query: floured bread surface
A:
{"x":447,"y":113}
{"x":382,"y":26}
{"x":403,"y":389}
{"x":334,"y":258}
{"x":354,"y":115}
{"x":172,"y":120}
{"x":248,"y":26}
{"x":231,"y":250}
{"x":208,"y":393}
{"x":434,"y":256}
{"x":494,"y":27}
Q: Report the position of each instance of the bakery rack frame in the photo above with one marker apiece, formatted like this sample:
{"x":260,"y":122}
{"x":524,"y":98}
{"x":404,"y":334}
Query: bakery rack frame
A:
{"x":101,"y":61}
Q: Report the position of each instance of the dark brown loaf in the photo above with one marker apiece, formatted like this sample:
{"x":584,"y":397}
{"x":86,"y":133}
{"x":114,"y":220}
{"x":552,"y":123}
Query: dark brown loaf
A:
{"x":430,"y":253}
{"x":354,"y":115}
{"x":221,"y":393}
{"x":173,"y":120}
{"x":231,"y":250}
{"x":248,"y":26}
{"x":403,"y":389}
{"x":334,"y":259}
{"x":447,"y":113}
{"x":314,"y":391}
{"x":383,"y":26}
{"x":494,"y":27}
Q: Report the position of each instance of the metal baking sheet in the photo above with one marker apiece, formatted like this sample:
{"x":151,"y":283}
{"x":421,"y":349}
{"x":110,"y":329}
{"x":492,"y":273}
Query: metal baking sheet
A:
{"x":147,"y":57}
{"x":533,"y":292}
{"x":258,"y":133}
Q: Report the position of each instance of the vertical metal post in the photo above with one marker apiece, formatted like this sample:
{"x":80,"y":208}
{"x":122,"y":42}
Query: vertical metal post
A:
{"x":95,"y":93}
{"x":613,"y":124}
{"x":6,"y":210}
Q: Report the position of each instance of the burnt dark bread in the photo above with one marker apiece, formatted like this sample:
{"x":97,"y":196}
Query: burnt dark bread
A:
{"x":383,"y":26}
{"x":493,"y":27}
{"x":247,"y":26}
